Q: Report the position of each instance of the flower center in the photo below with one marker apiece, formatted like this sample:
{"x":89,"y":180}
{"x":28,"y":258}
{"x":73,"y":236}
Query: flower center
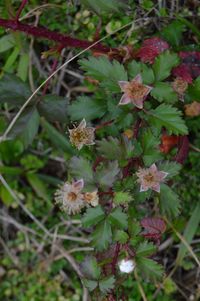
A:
{"x":79,"y":135}
{"x":149,"y":178}
{"x":136,"y":90}
{"x":72,"y":196}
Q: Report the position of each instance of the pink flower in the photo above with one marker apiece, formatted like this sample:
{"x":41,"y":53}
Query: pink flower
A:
{"x":150,"y":178}
{"x":135,"y":92}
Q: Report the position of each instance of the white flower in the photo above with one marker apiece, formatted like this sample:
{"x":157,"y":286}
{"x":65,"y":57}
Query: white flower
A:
{"x":92,"y":198}
{"x":126,"y":265}
{"x":70,"y":198}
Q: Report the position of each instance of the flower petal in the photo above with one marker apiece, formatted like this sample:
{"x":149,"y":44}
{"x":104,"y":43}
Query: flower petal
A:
{"x":78,"y":185}
{"x":123,"y":85}
{"x":125,"y":99}
{"x":82,"y":125}
{"x":156,"y":187}
{"x":138,"y":79}
{"x":139,"y":103}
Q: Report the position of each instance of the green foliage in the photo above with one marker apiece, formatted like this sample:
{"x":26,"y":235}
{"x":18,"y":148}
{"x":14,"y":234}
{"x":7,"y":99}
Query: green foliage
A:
{"x":122,"y":197}
{"x":164,"y":64}
{"x":81,"y":168}
{"x":93,"y":216}
{"x":118,"y":218}
{"x":106,"y":72}
{"x":104,"y":6}
{"x":194,"y":89}
{"x":164,"y":92}
{"x":90,"y":268}
{"x":135,"y":68}
{"x":107,"y":174}
{"x":107,"y":284}
{"x":110,"y":148}
{"x":88,"y":108}
{"x":150,"y":146}
{"x":173,"y":33}
{"x":172,"y":168}
{"x":149,"y":267}
{"x":168,"y":117}
{"x":121,"y":236}
{"x":102,"y":235}
{"x":169,"y":201}
{"x":145,"y":249}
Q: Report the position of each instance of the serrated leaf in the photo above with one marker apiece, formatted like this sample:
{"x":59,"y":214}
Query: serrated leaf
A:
{"x":81,"y":168}
{"x":7,"y":42}
{"x":53,"y":108}
{"x":59,"y":140}
{"x":150,"y":146}
{"x":173,"y":33}
{"x":26,"y":126}
{"x":93,"y":216}
{"x":121,"y":236}
{"x":90,"y":284}
{"x":172,"y":168}
{"x":145,"y":249}
{"x":109,"y":148}
{"x":13,"y":90}
{"x":168,"y":117}
{"x":149,"y":267}
{"x":106,"y":174}
{"x":90,"y":268}
{"x":194,"y":89}
{"x":135,"y":68}
{"x":86,"y":107}
{"x":164,"y":92}
{"x":189,"y":232}
{"x":106,"y":284}
{"x":122,"y":197}
{"x":164,"y":64}
{"x":169,"y":201}
{"x":118,"y":218}
{"x":102,"y":236}
{"x":107,"y":72}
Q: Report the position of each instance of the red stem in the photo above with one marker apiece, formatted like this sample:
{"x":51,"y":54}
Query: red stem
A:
{"x":42,"y":32}
{"x":98,"y":127}
{"x":53,"y":68}
{"x":23,"y":4}
{"x":115,"y":258}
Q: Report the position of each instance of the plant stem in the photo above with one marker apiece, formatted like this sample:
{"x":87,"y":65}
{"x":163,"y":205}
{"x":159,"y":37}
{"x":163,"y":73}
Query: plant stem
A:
{"x":24,"y":2}
{"x":42,"y":32}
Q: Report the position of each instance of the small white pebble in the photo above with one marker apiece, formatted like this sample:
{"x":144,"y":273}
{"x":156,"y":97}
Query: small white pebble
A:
{"x":126,"y":265}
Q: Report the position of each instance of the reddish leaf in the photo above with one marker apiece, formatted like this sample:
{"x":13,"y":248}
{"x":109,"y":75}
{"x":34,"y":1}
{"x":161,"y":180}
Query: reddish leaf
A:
{"x":183,"y":149}
{"x":168,"y":142}
{"x":151,"y":48}
{"x":189,"y":67}
{"x":153,"y":226}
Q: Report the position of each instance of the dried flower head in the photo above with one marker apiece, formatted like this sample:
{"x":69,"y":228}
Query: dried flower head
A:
{"x":126,"y":265}
{"x":82,"y":135}
{"x":180,"y":86}
{"x":135,"y":92}
{"x":192,"y":109}
{"x":91,"y":198}
{"x":150,"y":178}
{"x":70,"y":198}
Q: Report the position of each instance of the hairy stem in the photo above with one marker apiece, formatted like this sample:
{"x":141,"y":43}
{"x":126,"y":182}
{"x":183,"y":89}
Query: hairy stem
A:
{"x":42,"y":32}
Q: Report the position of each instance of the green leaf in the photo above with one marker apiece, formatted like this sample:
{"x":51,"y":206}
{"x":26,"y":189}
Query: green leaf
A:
{"x":7,"y":42}
{"x":106,"y":174}
{"x":169,"y":201}
{"x":90,"y":284}
{"x":86,"y":107}
{"x":135,"y":68}
{"x":150,"y":146}
{"x":164,"y":64}
{"x":107,"y":72}
{"x":106,"y":284}
{"x":23,"y":65}
{"x":60,"y":141}
{"x":81,"y":168}
{"x":194,"y":89}
{"x":145,"y":249}
{"x":102,"y":236}
{"x":54,"y":108}
{"x":90,"y":268}
{"x":189,"y":232}
{"x":13,"y":90}
{"x":110,"y":148}
{"x":121,"y":236}
{"x":164,"y":92}
{"x":173,"y":33}
{"x":118,"y":218}
{"x":11,"y":60}
{"x":104,"y":6}
{"x":9,"y":170}
{"x":149,"y":267}
{"x":38,"y":186}
{"x":168,"y":117}
{"x":172,"y":168}
{"x":93,"y":216}
{"x":26,"y":126}
{"x":122,"y":197}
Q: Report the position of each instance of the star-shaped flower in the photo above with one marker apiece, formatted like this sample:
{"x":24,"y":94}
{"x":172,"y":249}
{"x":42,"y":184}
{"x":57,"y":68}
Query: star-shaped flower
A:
{"x":92,"y":198}
{"x":82,"y":135}
{"x":70,"y":197}
{"x":150,"y":178}
{"x":135,"y":92}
